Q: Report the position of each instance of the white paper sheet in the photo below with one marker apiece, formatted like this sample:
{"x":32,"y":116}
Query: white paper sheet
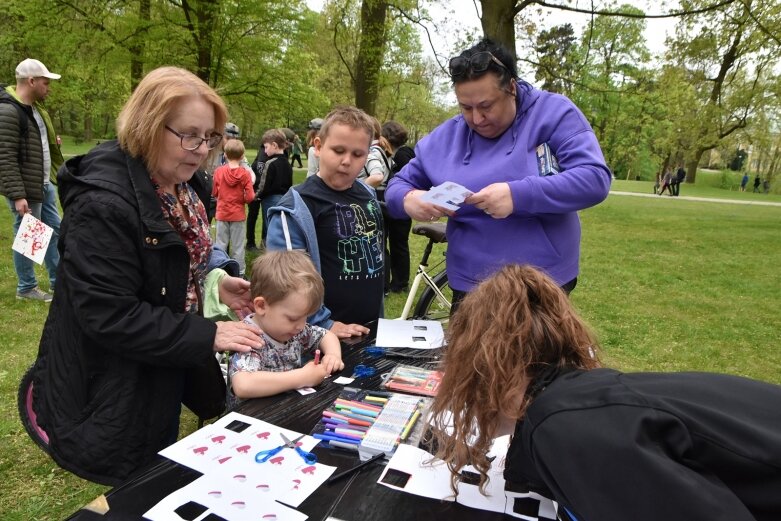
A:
{"x":233,"y":484}
{"x":430,"y":477}
{"x":419,"y":334}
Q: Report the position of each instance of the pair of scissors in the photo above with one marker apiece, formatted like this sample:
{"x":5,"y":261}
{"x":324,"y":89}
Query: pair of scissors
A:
{"x":264,"y":455}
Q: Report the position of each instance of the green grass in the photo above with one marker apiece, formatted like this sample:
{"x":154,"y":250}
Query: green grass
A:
{"x":667,"y":284}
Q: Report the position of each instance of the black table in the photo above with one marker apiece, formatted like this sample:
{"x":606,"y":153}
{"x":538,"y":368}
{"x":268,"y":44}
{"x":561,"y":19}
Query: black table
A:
{"x":357,"y":497}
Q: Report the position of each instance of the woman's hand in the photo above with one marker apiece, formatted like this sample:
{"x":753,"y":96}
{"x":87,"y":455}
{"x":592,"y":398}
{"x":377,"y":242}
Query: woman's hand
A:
{"x":422,"y":210}
{"x":495,"y":200}
{"x":237,"y":336}
{"x":235,"y":293}
{"x":342,"y":330}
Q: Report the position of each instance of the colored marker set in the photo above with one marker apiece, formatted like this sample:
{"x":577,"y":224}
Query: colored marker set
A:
{"x":414,"y":380}
{"x":369,"y":422}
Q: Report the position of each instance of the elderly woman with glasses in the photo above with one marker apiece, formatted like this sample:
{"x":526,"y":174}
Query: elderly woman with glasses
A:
{"x":531,"y":160}
{"x":124,"y":343}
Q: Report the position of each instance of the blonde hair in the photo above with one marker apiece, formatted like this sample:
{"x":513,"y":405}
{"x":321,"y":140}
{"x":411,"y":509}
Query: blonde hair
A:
{"x":351,"y":116}
{"x":377,"y":136}
{"x":141,"y":122}
{"x":277,"y":274}
{"x":514,"y":325}
{"x":234,"y":149}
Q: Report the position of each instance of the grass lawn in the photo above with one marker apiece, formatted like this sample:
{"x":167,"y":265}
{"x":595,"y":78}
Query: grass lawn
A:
{"x":668,"y":284}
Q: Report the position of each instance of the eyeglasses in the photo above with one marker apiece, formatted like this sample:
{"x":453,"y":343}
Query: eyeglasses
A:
{"x":461,"y":66}
{"x":190,"y":142}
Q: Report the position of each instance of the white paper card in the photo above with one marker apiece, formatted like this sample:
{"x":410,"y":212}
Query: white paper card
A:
{"x":32,"y":239}
{"x":448,"y":195}
{"x":419,"y":334}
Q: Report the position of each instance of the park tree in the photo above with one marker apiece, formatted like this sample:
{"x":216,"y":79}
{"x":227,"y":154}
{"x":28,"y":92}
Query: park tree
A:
{"x":728,"y":57}
{"x":404,"y":85}
{"x":556,"y":60}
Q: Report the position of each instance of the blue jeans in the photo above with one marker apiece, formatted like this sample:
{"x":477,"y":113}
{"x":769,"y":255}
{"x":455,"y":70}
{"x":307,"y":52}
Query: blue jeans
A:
{"x":49,"y":214}
{"x":266,"y":203}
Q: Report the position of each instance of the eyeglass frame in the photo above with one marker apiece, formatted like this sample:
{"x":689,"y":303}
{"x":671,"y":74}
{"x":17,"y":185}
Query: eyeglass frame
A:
{"x":206,"y":140}
{"x":468,"y":65}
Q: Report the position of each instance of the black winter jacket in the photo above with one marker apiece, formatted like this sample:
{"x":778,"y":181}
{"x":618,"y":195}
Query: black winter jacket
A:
{"x":613,"y":446}
{"x":21,"y":163}
{"x":117,"y":347}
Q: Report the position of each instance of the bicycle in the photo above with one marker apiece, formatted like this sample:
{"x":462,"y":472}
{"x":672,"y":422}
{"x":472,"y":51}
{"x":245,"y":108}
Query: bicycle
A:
{"x":434,"y":301}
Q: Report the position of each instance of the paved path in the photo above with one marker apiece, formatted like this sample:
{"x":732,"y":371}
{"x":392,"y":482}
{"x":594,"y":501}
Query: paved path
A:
{"x":690,"y":198}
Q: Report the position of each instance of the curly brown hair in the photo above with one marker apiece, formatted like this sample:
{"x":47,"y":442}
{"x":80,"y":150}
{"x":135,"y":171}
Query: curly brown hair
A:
{"x":511,"y":327}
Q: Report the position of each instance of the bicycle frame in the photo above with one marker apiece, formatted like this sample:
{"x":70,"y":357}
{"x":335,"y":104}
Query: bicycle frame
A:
{"x":422,"y":275}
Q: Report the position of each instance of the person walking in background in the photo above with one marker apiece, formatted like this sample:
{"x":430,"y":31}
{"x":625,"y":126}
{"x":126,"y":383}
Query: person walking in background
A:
{"x":276,"y":178}
{"x":744,"y":182}
{"x":295,"y":151}
{"x":233,"y":189}
{"x":766,"y":186}
{"x":312,"y":161}
{"x":756,"y":183}
{"x":397,"y":230}
{"x":29,"y":160}
{"x":667,"y":180}
{"x":657,"y":182}
{"x":680,"y":175}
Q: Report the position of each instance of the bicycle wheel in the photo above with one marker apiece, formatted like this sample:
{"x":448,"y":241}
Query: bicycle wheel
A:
{"x":24,"y":403}
{"x":430,"y":306}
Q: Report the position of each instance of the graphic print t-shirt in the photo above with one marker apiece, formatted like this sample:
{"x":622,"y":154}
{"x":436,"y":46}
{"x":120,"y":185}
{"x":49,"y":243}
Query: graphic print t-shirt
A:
{"x":349,"y":237}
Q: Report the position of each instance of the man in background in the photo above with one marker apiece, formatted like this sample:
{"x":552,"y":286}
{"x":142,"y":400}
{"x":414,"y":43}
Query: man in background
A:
{"x":29,"y":160}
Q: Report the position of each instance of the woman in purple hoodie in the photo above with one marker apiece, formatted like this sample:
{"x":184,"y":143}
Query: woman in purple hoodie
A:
{"x":531,"y":160}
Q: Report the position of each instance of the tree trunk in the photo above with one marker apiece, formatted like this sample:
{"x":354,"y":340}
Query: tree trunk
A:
{"x":691,"y":164}
{"x":498,"y":21}
{"x":138,"y":46}
{"x":371,"y":53}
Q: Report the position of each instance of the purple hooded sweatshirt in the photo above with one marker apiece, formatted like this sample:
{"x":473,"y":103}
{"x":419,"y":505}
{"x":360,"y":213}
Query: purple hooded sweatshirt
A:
{"x":544,"y":229}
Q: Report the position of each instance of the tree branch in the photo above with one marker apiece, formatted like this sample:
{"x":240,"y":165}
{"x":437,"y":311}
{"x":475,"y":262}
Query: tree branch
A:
{"x":592,"y":11}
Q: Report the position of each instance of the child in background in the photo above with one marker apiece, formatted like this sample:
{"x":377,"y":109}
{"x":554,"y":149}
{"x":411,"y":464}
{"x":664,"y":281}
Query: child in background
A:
{"x":603,"y":444}
{"x":233,"y":189}
{"x":286,"y":288}
{"x":338,"y":221}
{"x":276,"y":178}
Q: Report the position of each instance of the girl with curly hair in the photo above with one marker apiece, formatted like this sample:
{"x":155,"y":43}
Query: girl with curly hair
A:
{"x":605,"y":445}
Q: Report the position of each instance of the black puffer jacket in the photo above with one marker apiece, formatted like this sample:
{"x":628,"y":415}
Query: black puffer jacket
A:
{"x":21,"y":163}
{"x":116,"y":348}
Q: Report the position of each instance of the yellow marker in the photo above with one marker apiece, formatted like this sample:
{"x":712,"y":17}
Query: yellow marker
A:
{"x":376,"y":399}
{"x":410,"y":424}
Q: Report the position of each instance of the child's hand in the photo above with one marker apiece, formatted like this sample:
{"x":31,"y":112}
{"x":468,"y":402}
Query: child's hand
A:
{"x":332,"y":363}
{"x":313,"y":374}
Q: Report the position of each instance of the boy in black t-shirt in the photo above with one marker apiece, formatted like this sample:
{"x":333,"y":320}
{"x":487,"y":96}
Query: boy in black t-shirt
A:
{"x":338,"y":221}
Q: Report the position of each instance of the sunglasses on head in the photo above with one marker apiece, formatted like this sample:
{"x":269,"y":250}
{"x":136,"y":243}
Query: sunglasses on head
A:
{"x":461,"y":66}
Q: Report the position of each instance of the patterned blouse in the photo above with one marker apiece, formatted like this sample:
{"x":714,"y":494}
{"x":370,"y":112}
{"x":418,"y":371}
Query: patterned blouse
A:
{"x":277,"y":356}
{"x":193,"y":227}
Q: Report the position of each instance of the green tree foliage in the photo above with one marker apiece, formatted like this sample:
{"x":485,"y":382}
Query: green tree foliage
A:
{"x":556,"y":60}
{"x":274,"y":62}
{"x":729,"y":59}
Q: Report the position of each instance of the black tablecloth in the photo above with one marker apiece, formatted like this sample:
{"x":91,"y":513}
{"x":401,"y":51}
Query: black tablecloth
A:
{"x":354,"y":498}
